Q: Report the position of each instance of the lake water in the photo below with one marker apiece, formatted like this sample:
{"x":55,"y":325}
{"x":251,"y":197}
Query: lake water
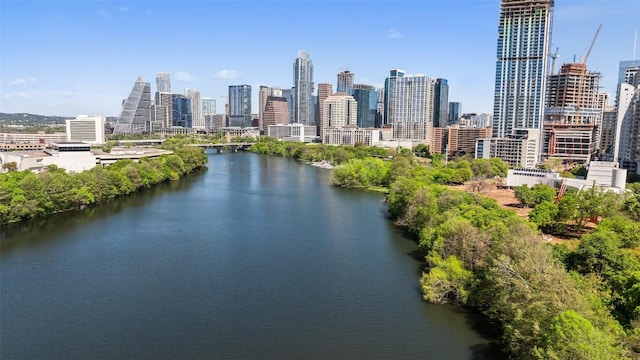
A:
{"x":255,"y":257}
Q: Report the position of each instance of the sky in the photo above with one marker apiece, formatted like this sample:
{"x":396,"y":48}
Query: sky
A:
{"x":63,"y":57}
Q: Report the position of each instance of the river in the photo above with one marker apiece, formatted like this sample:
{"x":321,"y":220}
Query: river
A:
{"x":255,"y":257}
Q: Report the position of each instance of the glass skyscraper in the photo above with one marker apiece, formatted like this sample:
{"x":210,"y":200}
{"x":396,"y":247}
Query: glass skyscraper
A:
{"x":389,"y":86}
{"x":441,"y":103}
{"x":181,"y":111}
{"x":303,"y":89}
{"x":136,"y":110}
{"x":367,"y":103}
{"x":240,"y":105}
{"x":524,"y":37}
{"x":412,"y":100}
{"x":163,"y":82}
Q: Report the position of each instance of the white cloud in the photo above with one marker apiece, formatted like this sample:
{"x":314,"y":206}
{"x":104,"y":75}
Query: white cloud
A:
{"x":181,"y":75}
{"x":19,"y":94}
{"x":394,"y":34}
{"x":227,"y":74}
{"x":21,"y":81}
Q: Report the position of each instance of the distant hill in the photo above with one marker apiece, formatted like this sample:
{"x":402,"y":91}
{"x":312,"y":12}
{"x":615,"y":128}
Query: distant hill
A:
{"x":33,"y":119}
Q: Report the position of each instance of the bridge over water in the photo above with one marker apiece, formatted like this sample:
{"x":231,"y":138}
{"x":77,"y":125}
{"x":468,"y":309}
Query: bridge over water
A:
{"x":220,"y":147}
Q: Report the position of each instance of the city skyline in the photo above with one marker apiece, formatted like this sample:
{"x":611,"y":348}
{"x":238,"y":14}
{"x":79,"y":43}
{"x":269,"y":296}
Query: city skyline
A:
{"x":86,"y":66}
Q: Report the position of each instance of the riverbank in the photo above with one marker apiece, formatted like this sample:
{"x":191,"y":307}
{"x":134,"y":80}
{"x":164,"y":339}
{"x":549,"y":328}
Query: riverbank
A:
{"x":27,"y":195}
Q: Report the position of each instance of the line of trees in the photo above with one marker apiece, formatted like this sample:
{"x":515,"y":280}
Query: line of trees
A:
{"x":551,"y":302}
{"x":25,"y":195}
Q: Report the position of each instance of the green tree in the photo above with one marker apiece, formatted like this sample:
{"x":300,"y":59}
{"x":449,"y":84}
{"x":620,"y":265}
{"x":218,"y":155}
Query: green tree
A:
{"x":10,"y":166}
{"x":446,"y":281}
{"x":544,"y":214}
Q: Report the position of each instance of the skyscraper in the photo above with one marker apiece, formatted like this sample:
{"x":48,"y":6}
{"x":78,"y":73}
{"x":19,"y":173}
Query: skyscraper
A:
{"x":389,"y":86}
{"x":412,"y":113}
{"x":324,"y":91}
{"x":524,"y":37}
{"x":441,"y":103}
{"x":340,"y":110}
{"x":303,"y":89}
{"x":181,"y":111}
{"x":455,"y":110}
{"x":196,"y":108}
{"x":263,"y":95}
{"x":623,"y":73}
{"x":208,"y":111}
{"x":163,"y":82}
{"x":136,"y":110}
{"x":288,"y":94}
{"x":276,"y":111}
{"x":367,"y":102}
{"x":240,"y":105}
{"x":345,"y":81}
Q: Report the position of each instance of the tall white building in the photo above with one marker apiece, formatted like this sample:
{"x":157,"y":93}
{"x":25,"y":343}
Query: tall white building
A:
{"x":163,"y":82}
{"x":85,"y":128}
{"x":413,"y":103}
{"x":524,"y":38}
{"x":196,"y":108}
{"x":340,"y":110}
{"x":303,"y":89}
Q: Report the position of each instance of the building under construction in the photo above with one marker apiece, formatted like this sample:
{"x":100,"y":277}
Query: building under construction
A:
{"x":572,"y":114}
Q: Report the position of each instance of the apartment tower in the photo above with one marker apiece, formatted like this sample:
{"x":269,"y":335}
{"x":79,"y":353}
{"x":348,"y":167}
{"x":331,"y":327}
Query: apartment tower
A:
{"x":303,"y":89}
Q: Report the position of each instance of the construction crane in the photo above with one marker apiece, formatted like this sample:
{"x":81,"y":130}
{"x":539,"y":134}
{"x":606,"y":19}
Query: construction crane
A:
{"x":554,"y":56}
{"x":583,"y":75}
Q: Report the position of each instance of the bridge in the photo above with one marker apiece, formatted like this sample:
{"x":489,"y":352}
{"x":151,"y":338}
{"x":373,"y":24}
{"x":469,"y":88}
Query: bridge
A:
{"x":221,"y":146}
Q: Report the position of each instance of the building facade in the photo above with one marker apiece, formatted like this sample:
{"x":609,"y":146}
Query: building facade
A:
{"x":196,"y":108}
{"x":441,"y":103}
{"x":367,"y":102}
{"x":412,"y":100}
{"x":324,"y":91}
{"x":352,"y":135}
{"x":240,"y":105}
{"x":263,"y":94}
{"x":88,"y":129}
{"x":524,"y":38}
{"x":276,"y":111}
{"x":389,"y":100}
{"x":303,"y":89}
{"x":163,"y":82}
{"x":181,"y":115}
{"x":455,"y":110}
{"x":345,"y":82}
{"x":340,"y":110}
{"x":136,"y":110}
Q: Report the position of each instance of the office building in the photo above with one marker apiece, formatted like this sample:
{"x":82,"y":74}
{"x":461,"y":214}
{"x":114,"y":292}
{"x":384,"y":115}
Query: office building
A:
{"x":288,"y":94}
{"x":456,"y":140}
{"x":196,"y":108}
{"x":455,"y":110}
{"x":136,"y":110}
{"x":240,"y":105}
{"x":389,"y":100}
{"x":276,"y":111}
{"x":208,"y":112}
{"x":340,"y":109}
{"x":293,"y":132}
{"x":412,"y":99}
{"x":181,"y":114}
{"x":380,"y":112}
{"x":441,"y":103}
{"x":367,"y":102}
{"x":524,"y":37}
{"x":572,"y":114}
{"x":345,"y":82}
{"x":85,"y":128}
{"x":163,"y":82}
{"x":263,"y":94}
{"x":352,"y":135}
{"x":623,"y":70}
{"x":324,"y":91}
{"x":303,"y":89}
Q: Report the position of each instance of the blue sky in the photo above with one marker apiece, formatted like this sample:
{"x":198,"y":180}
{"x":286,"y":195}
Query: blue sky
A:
{"x":82,"y":57}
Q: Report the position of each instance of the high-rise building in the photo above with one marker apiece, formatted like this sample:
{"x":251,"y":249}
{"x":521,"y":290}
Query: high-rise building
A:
{"x":136,"y":110}
{"x":455,"y":110}
{"x":85,"y":128}
{"x":240,"y":105}
{"x":627,"y":134}
{"x":572,"y":114}
{"x":163,"y":82}
{"x":162,"y":110}
{"x":607,"y":133}
{"x":441,"y":103}
{"x":380,"y":112}
{"x":263,"y":95}
{"x":276,"y":111}
{"x":345,"y":82}
{"x":367,"y":102}
{"x":324,"y":91}
{"x":181,"y":114}
{"x":412,"y":114}
{"x":389,"y":86}
{"x":524,"y":37}
{"x":196,"y":108}
{"x":303,"y":89}
{"x":288,"y":94}
{"x":340,"y":110}
{"x":208,"y":111}
{"x":624,"y":73}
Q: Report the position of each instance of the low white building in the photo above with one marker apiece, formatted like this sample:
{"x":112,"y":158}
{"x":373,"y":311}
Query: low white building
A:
{"x":293,"y":132}
{"x":85,"y":128}
{"x":71,"y":156}
{"x":352,"y":135}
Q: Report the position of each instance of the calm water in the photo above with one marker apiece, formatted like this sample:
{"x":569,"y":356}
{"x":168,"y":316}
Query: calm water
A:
{"x":255,"y":258}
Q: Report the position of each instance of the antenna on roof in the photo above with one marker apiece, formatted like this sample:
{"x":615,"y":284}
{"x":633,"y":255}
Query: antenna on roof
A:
{"x":635,"y":42}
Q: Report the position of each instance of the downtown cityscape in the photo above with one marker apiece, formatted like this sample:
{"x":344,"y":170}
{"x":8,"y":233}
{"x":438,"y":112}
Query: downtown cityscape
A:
{"x":325,"y":179}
